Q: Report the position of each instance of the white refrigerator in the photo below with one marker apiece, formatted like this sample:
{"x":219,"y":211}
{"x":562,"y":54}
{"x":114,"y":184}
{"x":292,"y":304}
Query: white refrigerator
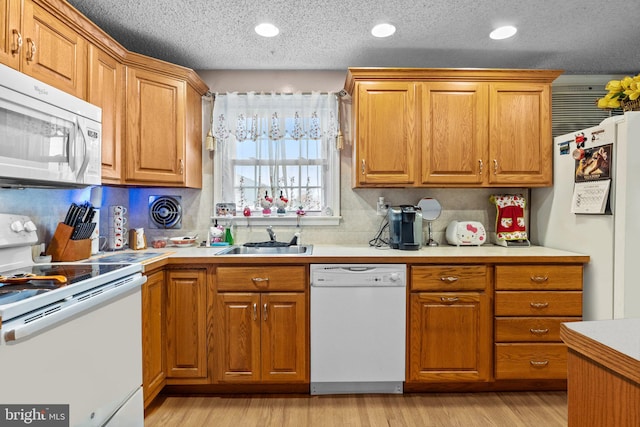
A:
{"x":566,"y":216}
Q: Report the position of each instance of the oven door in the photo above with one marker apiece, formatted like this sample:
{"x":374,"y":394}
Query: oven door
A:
{"x":87,"y":355}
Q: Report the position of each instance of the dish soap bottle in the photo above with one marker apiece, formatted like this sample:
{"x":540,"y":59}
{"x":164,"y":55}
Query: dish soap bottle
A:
{"x":228,"y":234}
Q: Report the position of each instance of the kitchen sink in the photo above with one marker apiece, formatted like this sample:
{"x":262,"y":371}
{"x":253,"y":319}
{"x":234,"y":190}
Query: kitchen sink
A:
{"x":268,"y":250}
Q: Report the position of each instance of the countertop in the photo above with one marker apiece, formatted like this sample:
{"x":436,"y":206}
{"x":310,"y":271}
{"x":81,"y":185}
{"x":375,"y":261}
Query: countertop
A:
{"x":612,"y":343}
{"x":364,"y":253}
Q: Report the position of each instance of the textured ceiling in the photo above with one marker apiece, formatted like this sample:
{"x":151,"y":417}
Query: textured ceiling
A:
{"x":578,"y":36}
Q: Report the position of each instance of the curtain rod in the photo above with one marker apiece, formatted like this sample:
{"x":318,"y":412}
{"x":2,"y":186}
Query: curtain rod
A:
{"x":339,"y":93}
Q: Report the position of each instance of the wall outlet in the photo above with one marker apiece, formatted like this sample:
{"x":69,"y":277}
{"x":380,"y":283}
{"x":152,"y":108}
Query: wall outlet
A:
{"x":381,"y":207}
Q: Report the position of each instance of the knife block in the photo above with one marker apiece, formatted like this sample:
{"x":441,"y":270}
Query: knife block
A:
{"x":62,"y":248}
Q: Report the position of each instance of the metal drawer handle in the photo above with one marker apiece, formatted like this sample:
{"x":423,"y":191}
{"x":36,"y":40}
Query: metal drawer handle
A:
{"x":255,"y":311}
{"x":257,"y":280}
{"x":449,"y":299}
{"x":539,"y":363}
{"x":539,"y":279}
{"x":449,"y":279}
{"x":481,"y":165}
{"x":495,"y":167}
{"x":539,"y":304}
{"x":363,"y":167}
{"x":539,"y":331}
{"x":264,"y":308}
{"x":31,"y":55}
{"x":18,"y":42}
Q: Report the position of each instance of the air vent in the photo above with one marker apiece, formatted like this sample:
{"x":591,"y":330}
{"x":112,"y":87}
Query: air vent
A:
{"x":573,"y":103}
{"x":165,"y":212}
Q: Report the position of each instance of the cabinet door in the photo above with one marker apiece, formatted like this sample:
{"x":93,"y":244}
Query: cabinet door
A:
{"x":237,"y":337}
{"x":10,"y":32}
{"x":450,"y":337}
{"x":52,"y":52}
{"x":186,"y":324}
{"x":387,"y":134}
{"x":284,"y":338}
{"x":454,"y":134}
{"x":106,"y":90}
{"x":155,"y":128}
{"x":520,"y":148}
{"x":153,"y":333}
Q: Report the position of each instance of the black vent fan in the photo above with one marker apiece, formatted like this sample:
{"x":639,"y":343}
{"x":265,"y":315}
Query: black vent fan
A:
{"x":165,"y":212}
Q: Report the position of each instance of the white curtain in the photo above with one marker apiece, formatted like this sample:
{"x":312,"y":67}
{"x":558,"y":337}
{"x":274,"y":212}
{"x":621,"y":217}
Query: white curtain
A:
{"x":238,"y":118}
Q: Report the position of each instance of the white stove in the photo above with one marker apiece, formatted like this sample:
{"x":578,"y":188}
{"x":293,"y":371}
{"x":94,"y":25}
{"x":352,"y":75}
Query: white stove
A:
{"x":61,"y":336}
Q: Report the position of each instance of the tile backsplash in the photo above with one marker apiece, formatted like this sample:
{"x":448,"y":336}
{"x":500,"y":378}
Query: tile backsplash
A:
{"x":358,"y":226}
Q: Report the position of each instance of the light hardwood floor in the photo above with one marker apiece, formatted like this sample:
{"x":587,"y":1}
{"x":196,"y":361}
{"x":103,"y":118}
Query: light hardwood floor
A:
{"x":508,"y":409}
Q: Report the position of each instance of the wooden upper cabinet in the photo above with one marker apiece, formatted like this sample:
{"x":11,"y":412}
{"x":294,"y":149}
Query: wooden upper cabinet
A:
{"x":155,"y":128}
{"x":387,"y":134}
{"x":465,"y":127}
{"x":52,"y":52}
{"x":106,"y":90}
{"x":163,"y":124}
{"x":454,"y":135}
{"x":520,"y":134}
{"x":11,"y":32}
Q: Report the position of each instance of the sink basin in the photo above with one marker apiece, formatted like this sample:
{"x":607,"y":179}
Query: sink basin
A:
{"x":271,"y":251}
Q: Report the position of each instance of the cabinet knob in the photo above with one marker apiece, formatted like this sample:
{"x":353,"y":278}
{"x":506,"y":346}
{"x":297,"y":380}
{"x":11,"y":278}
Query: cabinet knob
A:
{"x":18,"y":42}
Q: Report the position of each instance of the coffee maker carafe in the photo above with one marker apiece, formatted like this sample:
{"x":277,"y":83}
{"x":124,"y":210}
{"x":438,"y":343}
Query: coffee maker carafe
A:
{"x":405,"y":227}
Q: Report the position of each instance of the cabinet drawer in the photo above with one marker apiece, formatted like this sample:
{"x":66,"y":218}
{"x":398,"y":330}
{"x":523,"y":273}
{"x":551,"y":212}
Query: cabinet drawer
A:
{"x":539,"y":277}
{"x":531,"y":361}
{"x":538,"y":329}
{"x":278,"y":278}
{"x":558,"y":303}
{"x":448,"y":278}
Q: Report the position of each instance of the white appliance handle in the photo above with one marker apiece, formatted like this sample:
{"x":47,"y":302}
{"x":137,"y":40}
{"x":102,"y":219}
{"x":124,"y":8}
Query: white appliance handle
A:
{"x":24,"y":331}
{"x":85,"y":160}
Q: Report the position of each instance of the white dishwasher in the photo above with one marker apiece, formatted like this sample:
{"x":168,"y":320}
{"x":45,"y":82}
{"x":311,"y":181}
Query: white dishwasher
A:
{"x":358,"y":317}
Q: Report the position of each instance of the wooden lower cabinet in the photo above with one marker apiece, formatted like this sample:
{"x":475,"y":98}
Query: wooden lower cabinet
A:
{"x":153,"y":336}
{"x":261,"y":337}
{"x":450,"y":337}
{"x":260,"y":323}
{"x":450,"y":326}
{"x":186,"y":323}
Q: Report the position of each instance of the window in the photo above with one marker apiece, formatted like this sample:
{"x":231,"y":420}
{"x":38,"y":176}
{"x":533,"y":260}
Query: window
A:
{"x":276,"y":154}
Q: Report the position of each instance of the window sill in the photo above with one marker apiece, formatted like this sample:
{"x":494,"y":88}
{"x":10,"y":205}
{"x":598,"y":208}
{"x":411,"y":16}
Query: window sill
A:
{"x":291,"y":220}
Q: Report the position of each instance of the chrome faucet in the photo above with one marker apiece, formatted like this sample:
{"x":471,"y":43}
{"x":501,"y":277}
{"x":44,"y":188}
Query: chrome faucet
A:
{"x":272,"y":234}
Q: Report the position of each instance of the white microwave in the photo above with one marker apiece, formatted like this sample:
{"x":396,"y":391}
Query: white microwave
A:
{"x":48,"y":138}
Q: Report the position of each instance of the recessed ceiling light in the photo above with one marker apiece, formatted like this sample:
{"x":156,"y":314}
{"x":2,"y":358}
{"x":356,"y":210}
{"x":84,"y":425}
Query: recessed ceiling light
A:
{"x":383,"y":30}
{"x":505,"y":32}
{"x":267,"y":30}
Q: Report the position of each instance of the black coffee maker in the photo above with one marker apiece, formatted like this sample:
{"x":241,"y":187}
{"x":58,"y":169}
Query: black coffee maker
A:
{"x":405,"y":227}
